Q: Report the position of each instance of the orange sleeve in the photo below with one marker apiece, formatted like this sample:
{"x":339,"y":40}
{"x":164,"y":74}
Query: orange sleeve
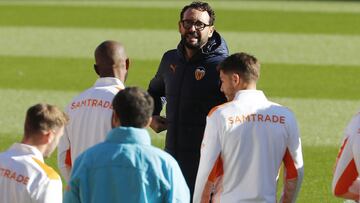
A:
{"x":291,"y":171}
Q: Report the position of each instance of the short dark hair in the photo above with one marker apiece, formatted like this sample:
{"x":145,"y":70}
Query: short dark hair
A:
{"x":246,"y":65}
{"x":133,"y":106}
{"x":201,"y":6}
{"x":43,"y":117}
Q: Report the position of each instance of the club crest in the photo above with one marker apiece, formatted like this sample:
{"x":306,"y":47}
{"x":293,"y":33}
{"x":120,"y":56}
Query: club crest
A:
{"x":173,"y":67}
{"x":199,"y":73}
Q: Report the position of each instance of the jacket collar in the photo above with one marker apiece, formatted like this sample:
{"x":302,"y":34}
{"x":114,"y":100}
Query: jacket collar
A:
{"x":129,"y":135}
{"x":108,"y":81}
{"x":21,"y":149}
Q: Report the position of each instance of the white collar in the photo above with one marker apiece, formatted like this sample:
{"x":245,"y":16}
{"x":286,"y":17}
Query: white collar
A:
{"x":108,"y":81}
{"x":25,"y":149}
{"x":250,"y":95}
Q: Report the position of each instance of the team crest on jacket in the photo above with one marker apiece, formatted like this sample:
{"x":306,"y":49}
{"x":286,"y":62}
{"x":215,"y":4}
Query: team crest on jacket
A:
{"x":199,"y":73}
{"x":173,"y":67}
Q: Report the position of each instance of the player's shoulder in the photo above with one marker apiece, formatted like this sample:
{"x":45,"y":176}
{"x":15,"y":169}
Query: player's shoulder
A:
{"x":88,"y":158}
{"x":4,"y":154}
{"x":170,"y":52}
{"x":82,"y":95}
{"x":170,"y":55}
{"x":354,"y":123}
{"x":357,"y":116}
{"x":98,"y":93}
{"x":100,"y":148}
{"x":161,"y":155}
{"x":280,"y":108}
{"x":356,"y":119}
{"x":219,"y":108}
{"x":45,"y":170}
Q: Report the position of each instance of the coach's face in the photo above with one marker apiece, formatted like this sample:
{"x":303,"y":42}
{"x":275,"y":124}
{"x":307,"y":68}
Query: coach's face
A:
{"x":228,"y":84}
{"x":195,"y":28}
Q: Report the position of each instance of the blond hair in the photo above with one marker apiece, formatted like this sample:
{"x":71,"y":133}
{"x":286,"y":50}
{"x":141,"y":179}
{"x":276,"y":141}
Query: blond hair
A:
{"x":43,"y":117}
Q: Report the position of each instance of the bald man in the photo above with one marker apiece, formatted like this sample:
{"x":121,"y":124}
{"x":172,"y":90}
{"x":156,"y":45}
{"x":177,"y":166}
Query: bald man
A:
{"x":90,"y":112}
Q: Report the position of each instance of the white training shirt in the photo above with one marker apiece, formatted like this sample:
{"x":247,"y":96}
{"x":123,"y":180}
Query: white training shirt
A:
{"x":25,"y":178}
{"x":244,"y":144}
{"x":90,"y":120}
{"x":346,"y":174}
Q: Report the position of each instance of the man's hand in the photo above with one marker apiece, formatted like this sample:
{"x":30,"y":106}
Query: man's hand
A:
{"x":158,"y":123}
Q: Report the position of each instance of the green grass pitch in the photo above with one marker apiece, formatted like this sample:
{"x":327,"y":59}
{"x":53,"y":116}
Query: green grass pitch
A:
{"x":309,"y":53}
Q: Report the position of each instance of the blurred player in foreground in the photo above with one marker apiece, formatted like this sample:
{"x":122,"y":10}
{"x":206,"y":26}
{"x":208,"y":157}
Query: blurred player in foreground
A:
{"x":24,"y":177}
{"x":346,"y":181}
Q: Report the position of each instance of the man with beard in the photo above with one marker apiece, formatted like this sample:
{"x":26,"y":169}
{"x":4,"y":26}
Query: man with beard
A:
{"x":188,"y":80}
{"x":90,"y":112}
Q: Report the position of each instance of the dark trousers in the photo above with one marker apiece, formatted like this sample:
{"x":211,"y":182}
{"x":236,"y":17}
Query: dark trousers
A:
{"x":189,"y":163}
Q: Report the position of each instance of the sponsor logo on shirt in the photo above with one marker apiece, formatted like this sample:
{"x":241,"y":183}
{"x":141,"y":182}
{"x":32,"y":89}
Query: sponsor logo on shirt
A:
{"x":238,"y":119}
{"x":91,"y":103}
{"x":12,"y":175}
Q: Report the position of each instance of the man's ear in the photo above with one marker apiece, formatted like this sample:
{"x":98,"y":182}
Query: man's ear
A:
{"x":235,"y":77}
{"x":211,"y":31}
{"x":96,"y":69}
{"x":179,"y":24}
{"x":115,"y":121}
{"x":127,"y":63}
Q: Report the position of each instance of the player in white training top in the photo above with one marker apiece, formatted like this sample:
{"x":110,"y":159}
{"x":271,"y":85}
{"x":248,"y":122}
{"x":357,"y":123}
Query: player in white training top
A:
{"x":24,"y":177}
{"x":90,"y":112}
{"x":346,"y":181}
{"x":246,"y":140}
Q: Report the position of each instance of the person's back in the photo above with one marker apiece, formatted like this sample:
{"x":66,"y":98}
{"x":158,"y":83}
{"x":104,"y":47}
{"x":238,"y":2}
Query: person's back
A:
{"x":254,"y":140}
{"x":125,"y":167}
{"x":246,"y":140}
{"x":24,"y":177}
{"x":24,"y":174}
{"x":90,"y":112}
{"x":140,"y":172}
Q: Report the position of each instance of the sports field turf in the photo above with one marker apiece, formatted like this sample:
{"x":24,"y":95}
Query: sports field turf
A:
{"x":309,"y":53}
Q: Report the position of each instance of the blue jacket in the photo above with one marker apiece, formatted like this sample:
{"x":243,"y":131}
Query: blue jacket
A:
{"x":126,"y":168}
